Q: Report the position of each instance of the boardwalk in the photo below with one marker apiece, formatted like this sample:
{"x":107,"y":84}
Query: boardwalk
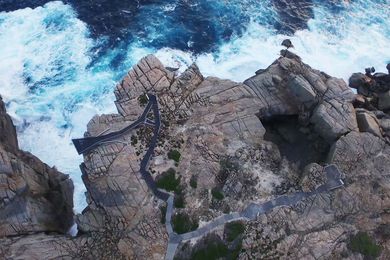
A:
{"x":84,"y":145}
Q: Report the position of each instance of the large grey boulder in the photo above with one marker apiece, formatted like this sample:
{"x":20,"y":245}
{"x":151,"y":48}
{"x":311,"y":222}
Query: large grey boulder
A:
{"x":302,"y":90}
{"x":368,"y":122}
{"x":290,"y":87}
{"x":361,"y":154}
{"x":334,"y":118}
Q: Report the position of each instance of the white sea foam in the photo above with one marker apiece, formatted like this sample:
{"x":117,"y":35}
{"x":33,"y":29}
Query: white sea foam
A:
{"x":359,"y":39}
{"x":43,"y":44}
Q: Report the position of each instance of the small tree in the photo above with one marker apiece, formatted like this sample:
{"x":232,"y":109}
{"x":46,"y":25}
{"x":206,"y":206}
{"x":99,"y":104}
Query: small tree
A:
{"x":168,"y":180}
{"x":174,"y":155}
{"x":179,"y":201}
{"x":233,"y":230}
{"x":217,"y":194}
{"x":143,"y":100}
{"x":182,"y":223}
{"x":194,"y":182}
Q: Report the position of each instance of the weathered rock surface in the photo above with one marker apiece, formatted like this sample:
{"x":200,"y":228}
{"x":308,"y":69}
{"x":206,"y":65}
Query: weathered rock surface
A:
{"x":229,"y":144}
{"x":368,"y":122}
{"x":290,"y":87}
{"x":34,"y":198}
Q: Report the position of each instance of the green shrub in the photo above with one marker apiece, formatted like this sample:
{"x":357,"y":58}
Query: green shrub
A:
{"x":168,"y":180}
{"x":194,"y":182}
{"x":134,"y":140}
{"x":217,"y":194}
{"x":362,"y":243}
{"x":182,"y":223}
{"x":179,"y":201}
{"x":212,"y":251}
{"x":174,"y":155}
{"x":143,"y":100}
{"x":233,"y":230}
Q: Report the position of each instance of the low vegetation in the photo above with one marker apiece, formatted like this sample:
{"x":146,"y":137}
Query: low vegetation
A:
{"x":134,"y":140}
{"x":217,"y":194}
{"x":234,"y":230}
{"x":182,"y":223}
{"x":143,"y":100}
{"x":362,"y":243}
{"x":174,"y":155}
{"x":168,"y":180}
{"x":194,"y":182}
{"x":179,"y":201}
{"x":212,"y":250}
{"x":212,"y":247}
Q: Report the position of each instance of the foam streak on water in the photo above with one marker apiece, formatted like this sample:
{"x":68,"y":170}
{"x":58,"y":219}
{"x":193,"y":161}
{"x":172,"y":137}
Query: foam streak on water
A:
{"x":49,"y":89}
{"x":54,"y":76}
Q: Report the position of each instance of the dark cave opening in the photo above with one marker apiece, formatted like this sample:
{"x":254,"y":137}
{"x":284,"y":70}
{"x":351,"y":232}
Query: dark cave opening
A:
{"x":299,"y":144}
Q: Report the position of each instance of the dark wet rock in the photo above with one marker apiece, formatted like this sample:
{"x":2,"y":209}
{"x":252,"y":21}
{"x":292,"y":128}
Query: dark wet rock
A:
{"x":287,"y":43}
{"x":362,"y":83}
{"x":7,"y":129}
{"x":384,"y":101}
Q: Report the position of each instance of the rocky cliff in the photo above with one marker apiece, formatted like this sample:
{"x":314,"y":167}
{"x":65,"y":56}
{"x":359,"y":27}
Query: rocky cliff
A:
{"x":222,"y":146}
{"x":34,"y":198}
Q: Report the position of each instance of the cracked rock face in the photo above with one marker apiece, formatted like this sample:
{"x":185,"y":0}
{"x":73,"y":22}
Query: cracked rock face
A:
{"x":225,"y":143}
{"x":34,"y":198}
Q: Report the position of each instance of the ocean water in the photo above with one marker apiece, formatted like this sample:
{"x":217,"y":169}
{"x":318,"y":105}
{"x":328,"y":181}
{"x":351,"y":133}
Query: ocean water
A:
{"x":60,"y":60}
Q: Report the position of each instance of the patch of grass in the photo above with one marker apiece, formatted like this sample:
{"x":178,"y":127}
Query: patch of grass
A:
{"x":174,"y":155}
{"x":194,"y":182}
{"x":362,"y":243}
{"x":217,"y":194}
{"x":163,"y":210}
{"x":233,"y":230}
{"x":168,"y":180}
{"x":182,"y":223}
{"x":143,"y":100}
